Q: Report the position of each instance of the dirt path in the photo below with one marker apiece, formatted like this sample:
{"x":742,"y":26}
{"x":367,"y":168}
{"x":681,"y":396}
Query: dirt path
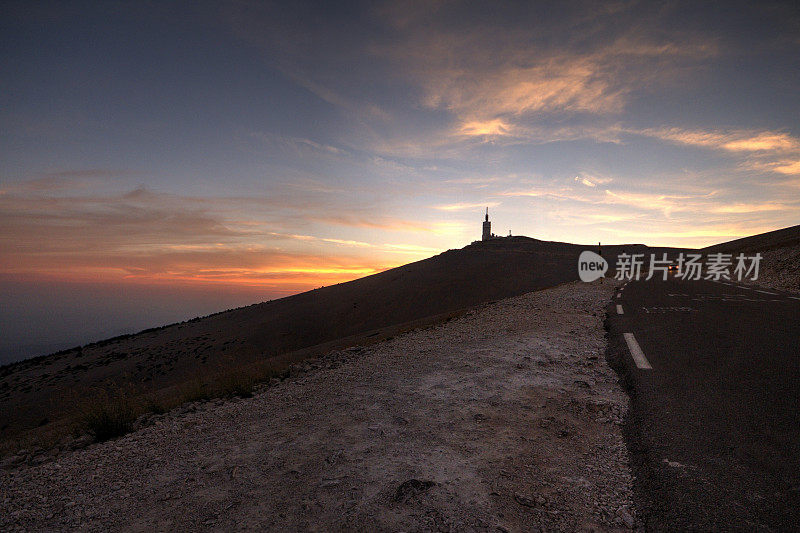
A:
{"x":504,"y":419}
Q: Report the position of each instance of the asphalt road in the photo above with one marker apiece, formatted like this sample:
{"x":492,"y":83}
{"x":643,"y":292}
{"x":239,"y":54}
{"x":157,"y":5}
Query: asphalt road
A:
{"x":714,"y":426}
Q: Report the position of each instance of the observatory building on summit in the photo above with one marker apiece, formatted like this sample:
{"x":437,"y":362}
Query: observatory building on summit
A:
{"x":487,"y":229}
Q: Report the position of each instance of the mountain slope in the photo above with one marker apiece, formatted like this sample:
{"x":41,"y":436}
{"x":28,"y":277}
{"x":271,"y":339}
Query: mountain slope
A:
{"x":759,"y":243}
{"x":504,"y":419}
{"x":780,"y":251}
{"x":44,"y":390}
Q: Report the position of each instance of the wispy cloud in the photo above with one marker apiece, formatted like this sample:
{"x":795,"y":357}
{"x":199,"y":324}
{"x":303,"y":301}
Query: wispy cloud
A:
{"x":788,"y":167}
{"x":491,"y":76}
{"x":462,"y":206}
{"x":773,"y":152}
{"x":479,"y":180}
{"x":732,"y":141}
{"x":667,"y":203}
{"x":687,"y":234}
{"x":751,"y":208}
{"x":296,"y":144}
{"x":411,"y":249}
{"x":777,"y":165}
{"x":49,"y":229}
{"x":494,"y":76}
{"x":558,"y":83}
{"x":563,"y":193}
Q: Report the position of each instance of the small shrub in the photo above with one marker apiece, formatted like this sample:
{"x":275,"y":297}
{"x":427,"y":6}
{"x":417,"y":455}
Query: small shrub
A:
{"x":153,"y":407}
{"x":110,"y":416}
{"x":196,"y":391}
{"x":237,"y":384}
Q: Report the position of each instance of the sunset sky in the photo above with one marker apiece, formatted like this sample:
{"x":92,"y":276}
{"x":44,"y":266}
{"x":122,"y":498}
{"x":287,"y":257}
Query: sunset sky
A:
{"x":252,"y":150}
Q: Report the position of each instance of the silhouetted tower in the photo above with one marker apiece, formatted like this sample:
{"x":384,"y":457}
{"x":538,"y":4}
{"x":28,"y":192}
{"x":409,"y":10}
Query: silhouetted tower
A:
{"x":487,"y":227}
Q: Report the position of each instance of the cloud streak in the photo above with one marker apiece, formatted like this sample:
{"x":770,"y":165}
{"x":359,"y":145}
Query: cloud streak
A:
{"x":731,"y":141}
{"x":50,"y":230}
{"x":463,"y":206}
{"x":494,"y":71}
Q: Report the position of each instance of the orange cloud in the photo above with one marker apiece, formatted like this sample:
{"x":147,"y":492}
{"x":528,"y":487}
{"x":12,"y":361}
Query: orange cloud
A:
{"x":155,"y":237}
{"x":787,"y":167}
{"x":791,"y":168}
{"x":558,"y":83}
{"x":491,"y":89}
{"x":487,"y":127}
{"x":732,"y":141}
{"x":767,"y":151}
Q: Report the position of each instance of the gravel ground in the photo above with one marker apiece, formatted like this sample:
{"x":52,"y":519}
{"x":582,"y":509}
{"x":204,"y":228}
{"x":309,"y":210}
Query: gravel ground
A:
{"x":506,"y":419}
{"x":780,"y":269}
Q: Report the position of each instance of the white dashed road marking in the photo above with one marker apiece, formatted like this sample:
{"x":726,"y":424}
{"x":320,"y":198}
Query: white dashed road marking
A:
{"x":636,"y":352}
{"x":767,"y":292}
{"x":619,"y":309}
{"x":670,"y":309}
{"x":794,"y":297}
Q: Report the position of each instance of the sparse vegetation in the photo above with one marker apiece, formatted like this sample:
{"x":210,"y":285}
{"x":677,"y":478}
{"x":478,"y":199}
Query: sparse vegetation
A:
{"x":162,"y":369}
{"x":196,"y":390}
{"x":154,"y":407}
{"x":237,"y":384}
{"x":111,"y":415}
{"x":113,"y":411}
{"x":229,"y":383}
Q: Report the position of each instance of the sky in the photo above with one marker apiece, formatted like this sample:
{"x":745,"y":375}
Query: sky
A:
{"x":160,"y":160}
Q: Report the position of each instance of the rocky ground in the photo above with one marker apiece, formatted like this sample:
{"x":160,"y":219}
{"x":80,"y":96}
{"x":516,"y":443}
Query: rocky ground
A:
{"x":506,"y":419}
{"x":780,"y":269}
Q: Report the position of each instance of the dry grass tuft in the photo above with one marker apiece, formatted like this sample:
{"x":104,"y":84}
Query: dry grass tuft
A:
{"x":111,"y":415}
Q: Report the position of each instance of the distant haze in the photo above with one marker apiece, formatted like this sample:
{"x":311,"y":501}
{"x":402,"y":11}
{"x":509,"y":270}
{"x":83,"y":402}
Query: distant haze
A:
{"x":38,"y":318}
